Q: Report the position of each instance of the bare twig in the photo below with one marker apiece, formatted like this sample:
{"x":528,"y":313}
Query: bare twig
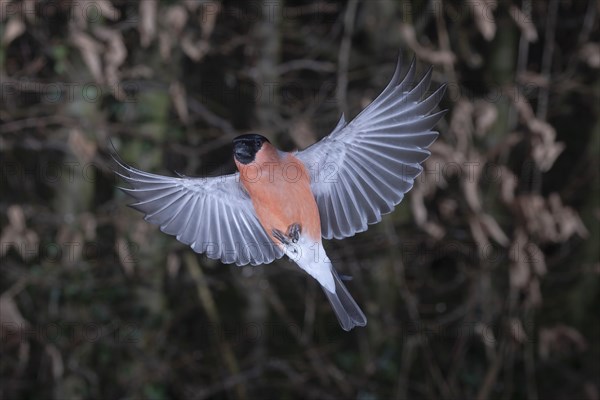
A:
{"x":36,"y":122}
{"x":491,"y":377}
{"x":344,"y":56}
{"x":208,"y":303}
{"x":294,"y":65}
{"x":542,"y":108}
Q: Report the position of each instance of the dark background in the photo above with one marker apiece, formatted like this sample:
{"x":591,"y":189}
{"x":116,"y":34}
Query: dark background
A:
{"x":484,"y":283}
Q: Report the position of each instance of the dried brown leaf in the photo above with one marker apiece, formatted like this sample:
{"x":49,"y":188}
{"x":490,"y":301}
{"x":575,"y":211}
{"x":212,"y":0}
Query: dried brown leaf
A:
{"x":419,"y":210}
{"x":560,"y":339}
{"x":16,"y":218}
{"x":591,"y":391}
{"x":545,"y":149}
{"x":536,"y":258}
{"x":165,"y":44}
{"x":14,"y":28}
{"x":538,"y":219}
{"x":434,"y":230}
{"x":107,"y":10}
{"x":83,"y":148}
{"x":567,"y":220}
{"x":531,"y":79}
{"x":417,"y":203}
{"x":461,"y":124}
{"x":147,"y":24}
{"x":486,"y":333}
{"x":71,"y":243}
{"x":56,"y":361}
{"x":179,"y":98}
{"x":470,"y":182}
{"x":448,"y":208}
{"x":590,"y":54}
{"x":176,"y":17}
{"x":517,"y":330}
{"x":534,"y":294}
{"x":125,"y":258}
{"x":208,"y":19}
{"x":491,"y":227}
{"x":484,"y":18}
{"x":524,"y":23}
{"x":29,"y":10}
{"x":196,"y":50}
{"x":508,"y":185}
{"x":88,"y":224}
{"x":114,"y":56}
{"x":85,"y":11}
{"x":436,"y":57}
{"x":16,"y":235}
{"x":10,"y":315}
{"x":519,"y":272}
{"x":193,"y":5}
{"x":24,"y":354}
{"x":173,"y":264}
{"x":479,"y":234}
{"x":91,"y":51}
{"x":485,"y":115}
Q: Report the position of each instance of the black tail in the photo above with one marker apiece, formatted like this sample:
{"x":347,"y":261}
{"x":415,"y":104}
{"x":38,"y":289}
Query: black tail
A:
{"x":346,"y":310}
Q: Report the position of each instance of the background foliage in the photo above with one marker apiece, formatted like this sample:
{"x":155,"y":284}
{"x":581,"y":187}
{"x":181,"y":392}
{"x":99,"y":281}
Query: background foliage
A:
{"x":482,"y":284}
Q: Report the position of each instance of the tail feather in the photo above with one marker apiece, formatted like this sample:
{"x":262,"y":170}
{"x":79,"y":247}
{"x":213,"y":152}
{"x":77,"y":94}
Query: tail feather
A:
{"x":346,"y":310}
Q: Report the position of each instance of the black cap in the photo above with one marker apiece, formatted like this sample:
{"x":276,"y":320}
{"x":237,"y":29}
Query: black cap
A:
{"x":246,"y":146}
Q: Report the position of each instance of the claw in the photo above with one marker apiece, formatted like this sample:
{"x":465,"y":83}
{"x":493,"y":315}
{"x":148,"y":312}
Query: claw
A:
{"x":292,"y":234}
{"x":280,"y":236}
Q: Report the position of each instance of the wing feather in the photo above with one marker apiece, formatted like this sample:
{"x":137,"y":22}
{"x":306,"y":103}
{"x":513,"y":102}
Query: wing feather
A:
{"x":376,"y":156}
{"x":212,"y":215}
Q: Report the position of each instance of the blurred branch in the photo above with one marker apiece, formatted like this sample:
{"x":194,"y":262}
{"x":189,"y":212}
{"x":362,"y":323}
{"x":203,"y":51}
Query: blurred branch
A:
{"x":36,"y":122}
{"x":208,"y":303}
{"x":491,"y":377}
{"x":344,"y":56}
{"x":313,"y":65}
{"x":587,"y":28}
{"x":212,"y":119}
{"x":542,"y":107}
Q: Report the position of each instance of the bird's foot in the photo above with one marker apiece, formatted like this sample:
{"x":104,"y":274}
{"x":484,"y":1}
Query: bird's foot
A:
{"x":294,"y":231}
{"x":292,"y":234}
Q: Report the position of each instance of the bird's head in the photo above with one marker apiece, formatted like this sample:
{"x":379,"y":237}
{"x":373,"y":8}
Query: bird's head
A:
{"x":246,"y":146}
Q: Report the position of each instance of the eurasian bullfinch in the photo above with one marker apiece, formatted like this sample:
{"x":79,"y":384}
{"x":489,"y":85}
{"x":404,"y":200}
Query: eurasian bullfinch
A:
{"x":281,"y":203}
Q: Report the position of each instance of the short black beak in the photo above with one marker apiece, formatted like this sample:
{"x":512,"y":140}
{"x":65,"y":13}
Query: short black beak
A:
{"x":241,"y":153}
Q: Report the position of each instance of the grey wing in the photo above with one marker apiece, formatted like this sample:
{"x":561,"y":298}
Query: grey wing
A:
{"x":363,"y":168}
{"x":212,"y":215}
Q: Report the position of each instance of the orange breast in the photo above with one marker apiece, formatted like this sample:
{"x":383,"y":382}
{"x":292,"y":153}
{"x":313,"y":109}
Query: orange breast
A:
{"x":280,"y":191}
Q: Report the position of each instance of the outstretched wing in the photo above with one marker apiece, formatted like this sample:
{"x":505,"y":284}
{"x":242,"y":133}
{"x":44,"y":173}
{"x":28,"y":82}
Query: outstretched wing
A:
{"x":212,"y":215}
{"x":363,"y":168}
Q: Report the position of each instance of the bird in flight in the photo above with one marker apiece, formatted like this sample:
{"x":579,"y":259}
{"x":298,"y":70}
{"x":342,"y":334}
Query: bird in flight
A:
{"x":284,"y":203}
